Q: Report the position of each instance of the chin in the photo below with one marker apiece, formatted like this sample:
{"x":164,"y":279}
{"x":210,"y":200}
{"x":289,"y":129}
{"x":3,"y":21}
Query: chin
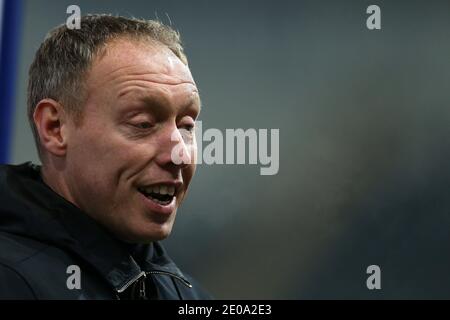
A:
{"x":146,"y":236}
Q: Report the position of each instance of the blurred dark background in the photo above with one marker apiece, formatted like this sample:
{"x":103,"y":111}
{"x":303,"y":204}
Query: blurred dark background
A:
{"x":364,"y":143}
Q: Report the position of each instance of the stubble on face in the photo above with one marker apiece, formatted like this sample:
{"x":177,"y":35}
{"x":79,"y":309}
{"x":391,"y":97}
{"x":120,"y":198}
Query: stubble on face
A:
{"x":112,"y":154}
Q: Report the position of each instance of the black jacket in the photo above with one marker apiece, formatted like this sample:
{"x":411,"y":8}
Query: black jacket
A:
{"x":44,"y":239}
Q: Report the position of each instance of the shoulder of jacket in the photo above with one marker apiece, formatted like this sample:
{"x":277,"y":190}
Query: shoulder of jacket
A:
{"x":13,"y":284}
{"x":30,"y":269}
{"x":15,"y":249}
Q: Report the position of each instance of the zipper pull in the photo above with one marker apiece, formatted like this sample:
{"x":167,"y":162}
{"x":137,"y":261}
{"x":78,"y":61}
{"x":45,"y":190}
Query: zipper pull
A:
{"x":142,"y":292}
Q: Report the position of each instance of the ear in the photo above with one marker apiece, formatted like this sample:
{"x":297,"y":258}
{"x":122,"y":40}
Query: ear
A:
{"x":50,"y":121}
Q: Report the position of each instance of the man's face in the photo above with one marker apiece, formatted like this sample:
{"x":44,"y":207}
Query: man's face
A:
{"x":119,"y":165}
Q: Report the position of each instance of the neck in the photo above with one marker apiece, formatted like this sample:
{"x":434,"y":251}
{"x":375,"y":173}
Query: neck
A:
{"x":54,"y":179}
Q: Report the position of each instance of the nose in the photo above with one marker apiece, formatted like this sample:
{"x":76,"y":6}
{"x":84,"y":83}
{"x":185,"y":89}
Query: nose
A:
{"x":175,"y":150}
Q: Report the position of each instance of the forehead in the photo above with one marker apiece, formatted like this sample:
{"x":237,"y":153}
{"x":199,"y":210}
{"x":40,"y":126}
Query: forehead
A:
{"x":127,"y":57}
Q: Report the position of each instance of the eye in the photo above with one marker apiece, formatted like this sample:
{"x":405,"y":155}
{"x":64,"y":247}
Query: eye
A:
{"x":144,"y":125}
{"x":188,"y":124}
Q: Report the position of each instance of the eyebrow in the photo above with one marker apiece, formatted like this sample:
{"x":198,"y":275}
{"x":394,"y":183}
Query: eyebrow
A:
{"x":154,"y":101}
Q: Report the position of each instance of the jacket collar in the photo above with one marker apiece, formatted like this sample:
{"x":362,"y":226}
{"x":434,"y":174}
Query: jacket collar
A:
{"x":90,"y":241}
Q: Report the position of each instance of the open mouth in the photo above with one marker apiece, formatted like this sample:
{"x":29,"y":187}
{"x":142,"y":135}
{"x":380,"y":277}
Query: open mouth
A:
{"x":161,"y":194}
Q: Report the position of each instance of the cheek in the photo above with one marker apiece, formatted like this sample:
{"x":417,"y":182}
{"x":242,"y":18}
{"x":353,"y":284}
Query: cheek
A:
{"x":103,"y":142}
{"x":188,"y":173}
{"x":193,"y":150}
{"x":99,"y":154}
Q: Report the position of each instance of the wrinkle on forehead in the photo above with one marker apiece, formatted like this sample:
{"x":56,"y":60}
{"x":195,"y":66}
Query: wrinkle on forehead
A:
{"x":139,"y":91}
{"x":154,"y":77}
{"x":126,"y":86}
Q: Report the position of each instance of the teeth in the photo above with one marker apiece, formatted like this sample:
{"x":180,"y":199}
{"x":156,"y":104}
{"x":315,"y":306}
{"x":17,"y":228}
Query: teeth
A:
{"x":152,"y":189}
{"x":160,"y":202}
{"x":161,"y":189}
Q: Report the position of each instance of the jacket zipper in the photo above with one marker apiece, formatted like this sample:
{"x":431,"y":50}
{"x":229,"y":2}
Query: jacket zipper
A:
{"x":186,"y":283}
{"x":129,"y":283}
{"x":142,"y":292}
